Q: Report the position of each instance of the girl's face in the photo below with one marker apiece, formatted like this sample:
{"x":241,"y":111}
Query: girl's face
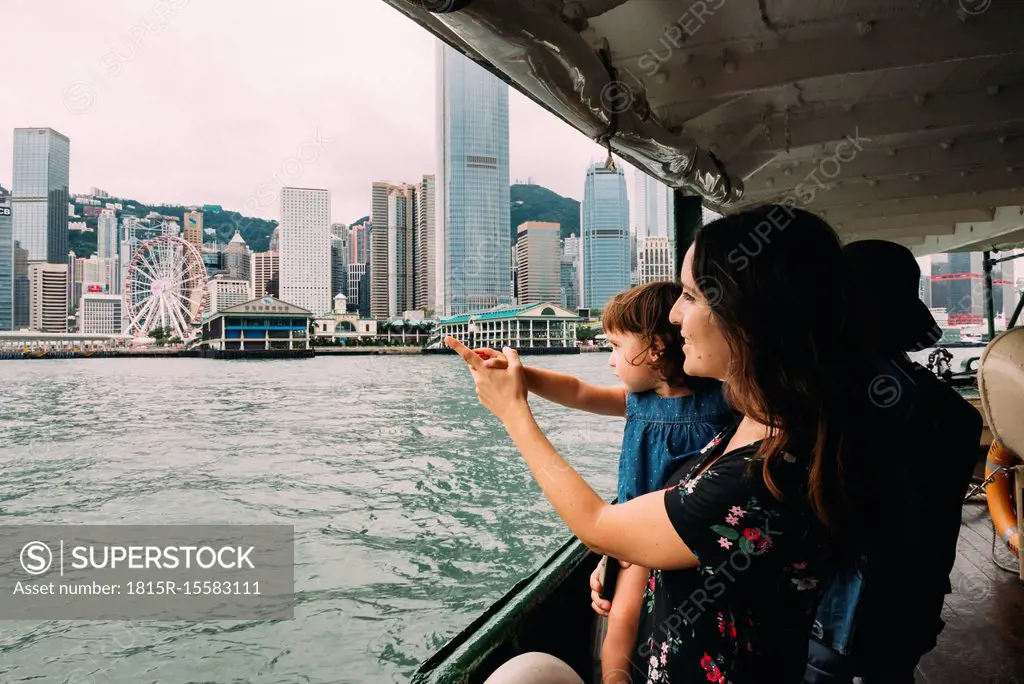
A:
{"x":706,"y":349}
{"x":630,"y":360}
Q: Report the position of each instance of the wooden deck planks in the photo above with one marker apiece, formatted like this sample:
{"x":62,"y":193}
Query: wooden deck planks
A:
{"x":984,"y":636}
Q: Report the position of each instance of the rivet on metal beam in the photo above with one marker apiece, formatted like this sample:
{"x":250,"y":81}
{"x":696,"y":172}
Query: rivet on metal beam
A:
{"x":769,"y":182}
{"x":920,"y":99}
{"x":890,"y":151}
{"x":945,"y":144}
{"x":964,"y":174}
{"x":661,"y":77}
{"x":847,"y":108}
{"x":686,"y":58}
{"x":787,"y":171}
{"x":698,"y":82}
{"x":729,"y":65}
{"x":873,"y":182}
{"x":1001,"y":140}
{"x":864,"y":27}
{"x":917,"y":179}
{"x":993,"y":90}
{"x":1010,"y":169}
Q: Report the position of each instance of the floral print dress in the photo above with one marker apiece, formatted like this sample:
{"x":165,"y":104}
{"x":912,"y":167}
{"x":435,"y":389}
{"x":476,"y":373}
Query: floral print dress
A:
{"x":744,"y":614}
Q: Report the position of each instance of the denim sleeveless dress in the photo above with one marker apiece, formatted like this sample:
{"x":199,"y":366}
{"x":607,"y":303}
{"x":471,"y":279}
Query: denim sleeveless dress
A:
{"x":662,"y":432}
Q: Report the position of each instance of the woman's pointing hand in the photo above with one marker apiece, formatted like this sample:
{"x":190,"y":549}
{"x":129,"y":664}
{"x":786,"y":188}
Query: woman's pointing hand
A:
{"x":501,"y":387}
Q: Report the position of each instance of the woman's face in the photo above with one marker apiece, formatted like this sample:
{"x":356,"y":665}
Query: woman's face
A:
{"x":706,"y":349}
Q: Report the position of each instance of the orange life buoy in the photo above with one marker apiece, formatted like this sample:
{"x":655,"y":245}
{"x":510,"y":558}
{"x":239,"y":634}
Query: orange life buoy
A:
{"x":999,"y":496}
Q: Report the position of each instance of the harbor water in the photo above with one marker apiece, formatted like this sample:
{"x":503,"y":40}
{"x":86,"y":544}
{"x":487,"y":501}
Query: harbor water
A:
{"x":413,"y":511}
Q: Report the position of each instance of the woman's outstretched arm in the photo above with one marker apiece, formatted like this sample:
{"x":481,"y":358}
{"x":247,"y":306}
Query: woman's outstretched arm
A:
{"x":639,"y":531}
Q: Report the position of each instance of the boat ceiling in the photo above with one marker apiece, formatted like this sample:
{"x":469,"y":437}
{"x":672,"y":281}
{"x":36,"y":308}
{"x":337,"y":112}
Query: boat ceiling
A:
{"x":901,"y":120}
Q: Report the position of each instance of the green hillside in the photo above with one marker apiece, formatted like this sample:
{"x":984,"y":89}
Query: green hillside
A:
{"x":537,"y":203}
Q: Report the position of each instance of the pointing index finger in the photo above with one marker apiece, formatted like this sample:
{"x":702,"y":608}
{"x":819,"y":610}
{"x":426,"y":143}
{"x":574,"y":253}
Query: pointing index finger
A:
{"x":471,"y":359}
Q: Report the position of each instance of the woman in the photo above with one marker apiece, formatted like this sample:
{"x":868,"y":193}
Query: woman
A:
{"x":740,"y":543}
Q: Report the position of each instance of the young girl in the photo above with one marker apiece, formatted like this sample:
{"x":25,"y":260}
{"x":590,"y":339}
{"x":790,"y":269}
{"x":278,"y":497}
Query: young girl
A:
{"x":669,"y":417}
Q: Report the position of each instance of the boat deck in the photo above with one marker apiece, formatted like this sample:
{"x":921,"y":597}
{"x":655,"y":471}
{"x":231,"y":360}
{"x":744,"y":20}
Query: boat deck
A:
{"x":984,"y":636}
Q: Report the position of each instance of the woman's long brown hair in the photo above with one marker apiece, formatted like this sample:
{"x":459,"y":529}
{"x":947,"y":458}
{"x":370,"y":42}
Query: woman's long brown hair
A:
{"x":776,"y":282}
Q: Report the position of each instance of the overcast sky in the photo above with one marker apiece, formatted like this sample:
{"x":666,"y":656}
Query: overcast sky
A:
{"x":192,"y":102}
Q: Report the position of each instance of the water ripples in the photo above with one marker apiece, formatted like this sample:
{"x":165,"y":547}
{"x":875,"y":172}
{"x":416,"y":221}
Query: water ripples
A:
{"x":413,"y":512}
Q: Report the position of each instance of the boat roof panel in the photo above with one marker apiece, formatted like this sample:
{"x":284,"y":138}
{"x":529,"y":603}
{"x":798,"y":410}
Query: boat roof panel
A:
{"x":893,"y":120}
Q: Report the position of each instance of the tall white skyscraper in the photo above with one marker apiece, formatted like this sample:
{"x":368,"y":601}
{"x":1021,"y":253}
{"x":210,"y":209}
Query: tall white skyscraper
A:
{"x":305,"y":244}
{"x":653,"y":208}
{"x":39,"y":194}
{"x":106,"y":234}
{"x":473,"y":234}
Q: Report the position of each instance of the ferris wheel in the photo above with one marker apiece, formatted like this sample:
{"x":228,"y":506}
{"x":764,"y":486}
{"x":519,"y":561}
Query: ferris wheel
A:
{"x":165,"y":287}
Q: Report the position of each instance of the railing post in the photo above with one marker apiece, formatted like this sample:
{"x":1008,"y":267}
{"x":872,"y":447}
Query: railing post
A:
{"x":990,"y":309}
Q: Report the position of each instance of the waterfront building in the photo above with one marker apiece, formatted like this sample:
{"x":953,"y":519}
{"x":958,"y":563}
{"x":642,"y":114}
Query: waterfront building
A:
{"x":39,"y":193}
{"x":21,"y":288}
{"x":48,"y":297}
{"x":224,"y":292}
{"x":473,"y":245}
{"x":605,"y":229}
{"x":6,"y":263}
{"x":265,"y":269}
{"x":263,"y":323}
{"x":527,"y":326}
{"x":100,"y":313}
{"x":305,"y":256}
{"x":538,"y":262}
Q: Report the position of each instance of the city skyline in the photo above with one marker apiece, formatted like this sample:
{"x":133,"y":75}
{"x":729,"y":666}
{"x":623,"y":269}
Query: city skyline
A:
{"x":330,"y":116}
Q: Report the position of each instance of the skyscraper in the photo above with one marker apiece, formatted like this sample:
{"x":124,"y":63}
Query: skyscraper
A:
{"x":377,"y":267}
{"x":538,"y":263}
{"x":605,"y":229}
{"x":653,"y":211}
{"x":654,"y":226}
{"x":106,"y":234}
{"x":266,"y":267}
{"x":236,"y":258}
{"x":401,"y":249}
{"x":392,"y":249}
{"x":473,"y":242}
{"x":425,"y":272}
{"x":48,"y":297}
{"x":570,"y":273}
{"x":340,"y":253}
{"x":39,"y":194}
{"x":306,"y":249}
{"x":193,"y":228}
{"x":6,"y":264}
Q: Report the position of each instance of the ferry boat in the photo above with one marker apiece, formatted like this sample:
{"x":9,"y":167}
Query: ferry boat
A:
{"x":895,"y":121}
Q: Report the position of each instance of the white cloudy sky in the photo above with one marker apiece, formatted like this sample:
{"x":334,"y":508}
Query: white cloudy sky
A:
{"x":206,"y":103}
